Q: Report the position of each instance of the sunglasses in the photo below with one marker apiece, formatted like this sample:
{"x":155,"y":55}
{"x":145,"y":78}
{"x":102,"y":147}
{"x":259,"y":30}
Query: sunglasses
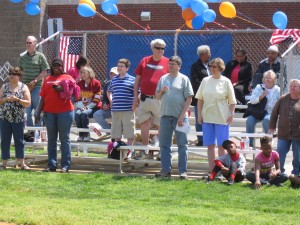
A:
{"x":213,"y":66}
{"x":14,"y":74}
{"x":28,"y":42}
{"x":159,"y":48}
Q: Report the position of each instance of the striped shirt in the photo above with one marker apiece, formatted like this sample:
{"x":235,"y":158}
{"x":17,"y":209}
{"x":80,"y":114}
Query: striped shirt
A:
{"x":122,"y":90}
{"x":33,"y":66}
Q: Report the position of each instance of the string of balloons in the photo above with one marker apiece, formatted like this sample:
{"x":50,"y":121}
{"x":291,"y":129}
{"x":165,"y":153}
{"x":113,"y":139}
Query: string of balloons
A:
{"x":31,"y":8}
{"x":197,"y":12}
{"x":87,"y":8}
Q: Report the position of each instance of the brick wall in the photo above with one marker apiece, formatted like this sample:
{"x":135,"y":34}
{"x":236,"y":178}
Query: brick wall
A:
{"x":168,"y":16}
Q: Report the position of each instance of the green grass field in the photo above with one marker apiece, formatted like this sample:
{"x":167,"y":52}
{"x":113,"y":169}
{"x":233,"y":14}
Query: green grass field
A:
{"x":29,"y":197}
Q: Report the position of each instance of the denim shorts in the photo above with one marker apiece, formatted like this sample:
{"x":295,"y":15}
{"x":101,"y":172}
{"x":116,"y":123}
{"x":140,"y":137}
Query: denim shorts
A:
{"x":214,"y":133}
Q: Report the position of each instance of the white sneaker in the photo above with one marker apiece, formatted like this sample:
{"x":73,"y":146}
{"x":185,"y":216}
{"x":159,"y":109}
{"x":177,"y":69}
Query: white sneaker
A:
{"x":87,"y":139}
{"x":183,"y":176}
{"x":79,"y":139}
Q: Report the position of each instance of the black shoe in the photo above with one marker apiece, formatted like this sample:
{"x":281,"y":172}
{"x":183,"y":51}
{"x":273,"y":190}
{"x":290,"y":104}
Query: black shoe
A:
{"x":208,"y":180}
{"x":279,"y":185}
{"x":163,"y":175}
{"x":295,"y":186}
{"x":199,"y":143}
{"x":49,"y":170}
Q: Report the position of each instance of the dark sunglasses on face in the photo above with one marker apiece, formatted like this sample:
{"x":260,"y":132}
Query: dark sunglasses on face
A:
{"x":29,"y":42}
{"x":213,"y":66}
{"x":14,"y":74}
{"x":159,"y":48}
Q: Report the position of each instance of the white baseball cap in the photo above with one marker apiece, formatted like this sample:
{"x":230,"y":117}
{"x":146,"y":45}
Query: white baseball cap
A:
{"x":114,"y":70}
{"x":273,"y":48}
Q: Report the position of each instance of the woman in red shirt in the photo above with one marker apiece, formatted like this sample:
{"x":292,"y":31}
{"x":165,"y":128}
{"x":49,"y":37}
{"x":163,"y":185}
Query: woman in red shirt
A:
{"x":239,"y":71}
{"x":59,"y":115}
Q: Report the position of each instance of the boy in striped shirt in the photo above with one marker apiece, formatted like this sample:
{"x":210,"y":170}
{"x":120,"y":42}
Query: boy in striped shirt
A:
{"x":121,"y":94}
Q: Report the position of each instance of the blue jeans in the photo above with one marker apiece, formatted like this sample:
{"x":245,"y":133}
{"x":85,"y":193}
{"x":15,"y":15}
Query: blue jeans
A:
{"x":7,"y":131}
{"x":283,"y":147}
{"x":197,"y":125}
{"x":167,"y":126}
{"x":35,"y":100}
{"x":82,"y":119}
{"x":251,"y":123}
{"x":59,"y":123}
{"x":100,"y":116}
{"x":281,"y":178}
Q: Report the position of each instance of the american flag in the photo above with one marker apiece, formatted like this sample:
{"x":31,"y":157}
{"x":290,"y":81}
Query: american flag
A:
{"x":70,"y":50}
{"x":280,"y":35}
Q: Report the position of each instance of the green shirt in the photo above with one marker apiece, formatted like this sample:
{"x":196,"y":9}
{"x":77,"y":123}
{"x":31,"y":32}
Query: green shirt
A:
{"x":32,"y":66}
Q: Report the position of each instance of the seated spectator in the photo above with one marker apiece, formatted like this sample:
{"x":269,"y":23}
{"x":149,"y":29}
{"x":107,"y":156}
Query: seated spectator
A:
{"x":231,"y":165}
{"x":75,"y":71}
{"x":271,"y":91}
{"x":264,"y":172}
{"x":121,"y":94}
{"x":295,"y":181}
{"x":86,"y":104}
{"x":272,"y":62}
{"x":240,"y":72}
{"x":104,"y":113}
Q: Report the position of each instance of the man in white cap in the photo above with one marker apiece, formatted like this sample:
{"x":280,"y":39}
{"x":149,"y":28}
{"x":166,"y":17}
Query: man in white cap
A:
{"x":104,"y":113}
{"x":272,"y":62}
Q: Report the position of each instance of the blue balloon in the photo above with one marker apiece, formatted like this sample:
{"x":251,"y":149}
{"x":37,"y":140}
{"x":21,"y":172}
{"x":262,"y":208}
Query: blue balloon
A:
{"x":85,"y":10}
{"x":213,"y":1}
{"x":280,"y":20}
{"x":198,"y":6}
{"x":35,"y":1}
{"x":109,"y":8}
{"x":16,"y":1}
{"x":32,"y":9}
{"x":197,"y":23}
{"x":209,"y":15}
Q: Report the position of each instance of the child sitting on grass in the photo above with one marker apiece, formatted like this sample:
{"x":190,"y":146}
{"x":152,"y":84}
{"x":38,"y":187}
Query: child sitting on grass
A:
{"x":264,"y":172}
{"x":231,"y":165}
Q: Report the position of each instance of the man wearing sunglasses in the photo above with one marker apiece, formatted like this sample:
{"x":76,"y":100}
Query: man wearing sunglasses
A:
{"x":35,"y":68}
{"x":148,"y":73}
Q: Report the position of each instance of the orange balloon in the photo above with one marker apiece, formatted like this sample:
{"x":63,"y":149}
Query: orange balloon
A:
{"x":89,"y":2}
{"x":227,"y":10}
{"x":188,"y":14}
{"x":188,"y":23}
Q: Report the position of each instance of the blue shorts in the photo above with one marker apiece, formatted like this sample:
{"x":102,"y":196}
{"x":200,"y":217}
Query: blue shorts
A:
{"x":214,"y":133}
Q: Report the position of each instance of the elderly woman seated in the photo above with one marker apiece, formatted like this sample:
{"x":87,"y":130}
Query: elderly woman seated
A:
{"x":271,"y":91}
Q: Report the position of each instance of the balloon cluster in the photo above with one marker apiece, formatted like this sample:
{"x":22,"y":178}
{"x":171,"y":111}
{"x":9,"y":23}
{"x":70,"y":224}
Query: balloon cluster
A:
{"x":32,"y":8}
{"x":87,"y":8}
{"x":196,"y":13}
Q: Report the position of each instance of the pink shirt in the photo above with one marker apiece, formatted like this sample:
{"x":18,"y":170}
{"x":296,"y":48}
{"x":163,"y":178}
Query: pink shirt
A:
{"x":235,"y":74}
{"x":266,"y":164}
{"x":74,"y":72}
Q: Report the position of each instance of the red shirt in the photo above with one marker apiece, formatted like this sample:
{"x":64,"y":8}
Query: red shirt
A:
{"x":235,"y":74}
{"x":53,"y":103}
{"x":151,"y":71}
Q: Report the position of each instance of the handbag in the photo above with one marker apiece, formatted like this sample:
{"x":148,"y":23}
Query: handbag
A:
{"x":257,"y":110}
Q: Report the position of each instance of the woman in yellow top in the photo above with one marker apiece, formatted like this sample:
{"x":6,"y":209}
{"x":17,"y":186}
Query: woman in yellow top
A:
{"x":216,"y":103}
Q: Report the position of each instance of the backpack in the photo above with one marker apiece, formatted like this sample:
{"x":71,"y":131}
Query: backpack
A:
{"x":112,"y":149}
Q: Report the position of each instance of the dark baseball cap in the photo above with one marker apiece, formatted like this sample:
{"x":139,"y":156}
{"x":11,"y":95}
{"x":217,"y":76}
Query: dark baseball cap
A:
{"x":226,"y":143}
{"x":57,"y":61}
